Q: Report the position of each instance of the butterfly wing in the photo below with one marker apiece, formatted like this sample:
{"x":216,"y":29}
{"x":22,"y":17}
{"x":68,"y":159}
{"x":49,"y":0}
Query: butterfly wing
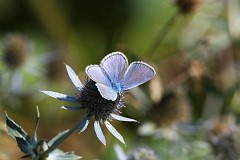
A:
{"x":106,"y":92}
{"x":136,"y":74}
{"x":96,"y":73}
{"x":115,"y":65}
{"x":109,"y":74}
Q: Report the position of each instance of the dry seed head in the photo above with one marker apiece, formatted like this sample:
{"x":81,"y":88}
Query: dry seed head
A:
{"x":224,"y":139}
{"x":143,"y":153}
{"x":15,"y":49}
{"x":187,"y":6}
{"x":173,"y":109}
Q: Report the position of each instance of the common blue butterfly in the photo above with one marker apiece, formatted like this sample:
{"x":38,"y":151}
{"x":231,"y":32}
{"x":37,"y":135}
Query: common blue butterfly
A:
{"x":113,"y":75}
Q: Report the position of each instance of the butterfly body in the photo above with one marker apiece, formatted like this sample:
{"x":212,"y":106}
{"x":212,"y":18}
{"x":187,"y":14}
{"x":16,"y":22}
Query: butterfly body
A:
{"x":113,"y":82}
{"x":113,"y":75}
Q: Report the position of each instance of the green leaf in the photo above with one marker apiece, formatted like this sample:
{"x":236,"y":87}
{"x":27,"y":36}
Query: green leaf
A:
{"x":14,"y":129}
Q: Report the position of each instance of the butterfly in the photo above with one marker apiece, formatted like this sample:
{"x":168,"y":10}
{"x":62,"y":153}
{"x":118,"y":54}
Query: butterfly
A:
{"x":113,"y":75}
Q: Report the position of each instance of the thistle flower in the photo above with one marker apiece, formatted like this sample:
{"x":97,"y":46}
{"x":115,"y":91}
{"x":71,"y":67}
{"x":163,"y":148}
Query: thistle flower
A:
{"x":143,"y":153}
{"x":173,"y":109}
{"x":18,"y":64}
{"x":53,"y":65}
{"x":224,"y":139}
{"x":102,"y":96}
{"x":34,"y":148}
{"x":139,"y":153}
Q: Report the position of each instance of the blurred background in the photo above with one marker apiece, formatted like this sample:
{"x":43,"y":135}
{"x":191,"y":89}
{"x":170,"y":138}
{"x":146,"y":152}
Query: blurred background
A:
{"x":190,"y":110}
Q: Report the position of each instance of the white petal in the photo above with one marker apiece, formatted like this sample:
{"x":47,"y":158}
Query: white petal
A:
{"x":114,"y":132}
{"x":58,"y":154}
{"x":119,"y":152}
{"x":77,"y":83}
{"x":60,"y":96}
{"x":84,"y":124}
{"x":72,"y":108}
{"x":121,"y":118}
{"x":99,"y":132}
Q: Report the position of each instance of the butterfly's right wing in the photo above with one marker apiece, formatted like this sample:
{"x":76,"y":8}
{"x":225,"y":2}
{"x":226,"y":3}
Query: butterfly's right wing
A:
{"x":137,"y":73}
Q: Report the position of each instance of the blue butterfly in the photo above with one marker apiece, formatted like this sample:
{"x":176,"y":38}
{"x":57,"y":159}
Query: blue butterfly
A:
{"x":113,"y":75}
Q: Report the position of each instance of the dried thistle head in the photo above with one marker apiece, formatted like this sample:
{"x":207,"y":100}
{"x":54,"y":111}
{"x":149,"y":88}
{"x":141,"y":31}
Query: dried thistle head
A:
{"x":187,"y":6}
{"x":143,"y":153}
{"x":15,"y":50}
{"x":224,"y":139}
{"x":173,"y":109}
{"x":54,"y":65}
{"x":223,"y":72}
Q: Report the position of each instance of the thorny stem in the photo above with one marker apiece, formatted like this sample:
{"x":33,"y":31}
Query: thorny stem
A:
{"x":161,"y":35}
{"x":63,"y":138}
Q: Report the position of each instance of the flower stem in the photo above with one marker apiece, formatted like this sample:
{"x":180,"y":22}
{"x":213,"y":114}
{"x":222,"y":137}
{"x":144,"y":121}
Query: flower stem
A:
{"x":77,"y":126}
{"x":161,"y":35}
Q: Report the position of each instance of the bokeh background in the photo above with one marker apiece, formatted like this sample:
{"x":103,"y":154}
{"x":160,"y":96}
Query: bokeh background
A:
{"x":190,"y":110}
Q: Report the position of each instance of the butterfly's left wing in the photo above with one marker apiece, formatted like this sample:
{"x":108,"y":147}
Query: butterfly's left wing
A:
{"x":95,"y":72}
{"x":115,"y":65}
{"x":136,"y":74}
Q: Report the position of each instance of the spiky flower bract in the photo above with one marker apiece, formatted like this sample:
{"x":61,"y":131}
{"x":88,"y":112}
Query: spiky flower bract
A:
{"x":102,"y":96}
{"x":34,"y":148}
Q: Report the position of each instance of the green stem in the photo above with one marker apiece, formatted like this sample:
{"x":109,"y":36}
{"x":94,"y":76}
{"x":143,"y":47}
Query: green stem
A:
{"x":161,"y":35}
{"x":62,"y":138}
